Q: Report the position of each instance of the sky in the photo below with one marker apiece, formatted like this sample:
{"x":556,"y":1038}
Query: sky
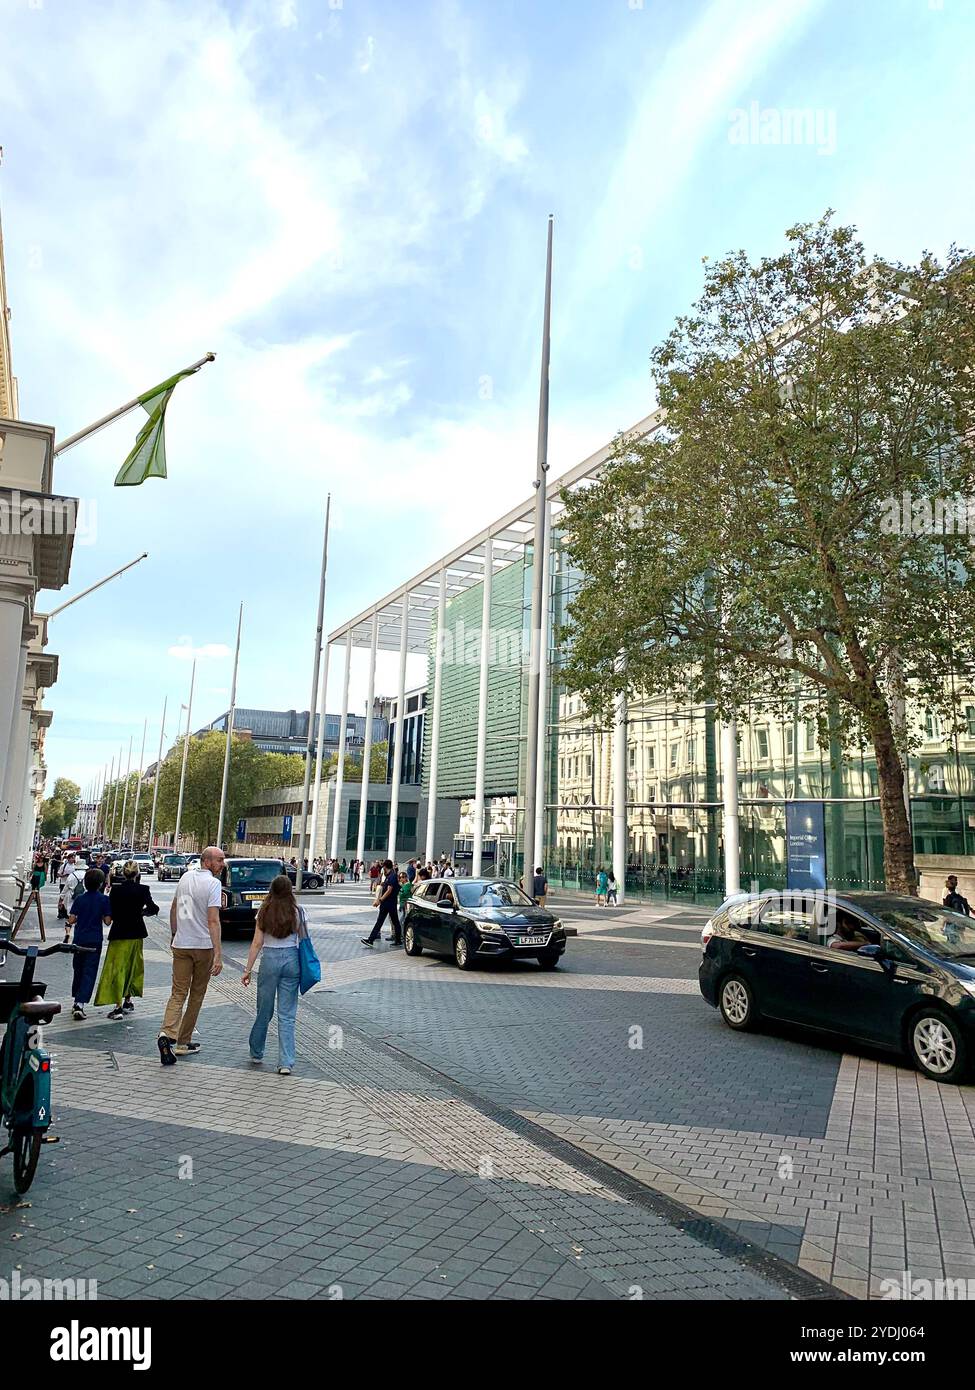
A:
{"x":346,"y":201}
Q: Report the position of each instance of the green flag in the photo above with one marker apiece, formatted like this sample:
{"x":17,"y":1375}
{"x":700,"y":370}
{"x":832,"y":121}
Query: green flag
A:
{"x":148,"y":456}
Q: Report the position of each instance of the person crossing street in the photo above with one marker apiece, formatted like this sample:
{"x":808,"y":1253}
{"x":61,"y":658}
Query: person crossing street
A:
{"x":387,"y":901}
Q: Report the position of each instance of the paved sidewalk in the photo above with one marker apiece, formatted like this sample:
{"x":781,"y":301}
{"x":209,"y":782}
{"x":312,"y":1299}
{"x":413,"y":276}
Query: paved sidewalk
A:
{"x":852,"y":1166}
{"x":363,"y":1175}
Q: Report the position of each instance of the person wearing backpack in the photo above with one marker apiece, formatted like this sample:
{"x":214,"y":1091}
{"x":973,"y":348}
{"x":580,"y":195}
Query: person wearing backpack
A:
{"x":277,"y":933}
{"x":72,"y":886}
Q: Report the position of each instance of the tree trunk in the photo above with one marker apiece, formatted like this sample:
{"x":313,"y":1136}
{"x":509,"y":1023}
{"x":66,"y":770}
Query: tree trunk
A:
{"x":899,"y":872}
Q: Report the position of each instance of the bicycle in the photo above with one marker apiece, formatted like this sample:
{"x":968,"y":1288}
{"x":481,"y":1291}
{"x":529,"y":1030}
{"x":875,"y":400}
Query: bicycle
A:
{"x":25,"y":1066}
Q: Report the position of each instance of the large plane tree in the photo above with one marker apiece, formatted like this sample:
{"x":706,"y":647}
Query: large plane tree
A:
{"x":799,"y":520}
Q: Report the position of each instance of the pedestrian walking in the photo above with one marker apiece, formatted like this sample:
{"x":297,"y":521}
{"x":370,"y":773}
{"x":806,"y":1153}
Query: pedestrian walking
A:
{"x":71,"y":882}
{"x":375,"y":870}
{"x":90,"y":914}
{"x":329,"y":870}
{"x":387,"y":902}
{"x":539,"y":886}
{"x":602,"y":884}
{"x":280,"y":922}
{"x":194,"y":921}
{"x":611,"y":889}
{"x":404,"y":894}
{"x":953,"y":900}
{"x":123,"y":974}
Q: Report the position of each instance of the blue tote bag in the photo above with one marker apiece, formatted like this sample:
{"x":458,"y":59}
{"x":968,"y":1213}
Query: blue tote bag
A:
{"x":309,"y":966}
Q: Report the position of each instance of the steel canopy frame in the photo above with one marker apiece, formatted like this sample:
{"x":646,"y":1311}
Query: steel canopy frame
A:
{"x":510,"y":536}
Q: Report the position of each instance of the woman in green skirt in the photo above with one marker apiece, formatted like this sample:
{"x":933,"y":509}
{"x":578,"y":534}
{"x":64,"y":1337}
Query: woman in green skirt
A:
{"x":123,"y":971}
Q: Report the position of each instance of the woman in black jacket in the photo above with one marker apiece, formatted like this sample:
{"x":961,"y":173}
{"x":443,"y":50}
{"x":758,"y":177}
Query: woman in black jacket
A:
{"x":123,"y":973}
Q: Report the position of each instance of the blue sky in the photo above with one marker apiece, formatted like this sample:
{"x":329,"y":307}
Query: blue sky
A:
{"x":347,"y":203}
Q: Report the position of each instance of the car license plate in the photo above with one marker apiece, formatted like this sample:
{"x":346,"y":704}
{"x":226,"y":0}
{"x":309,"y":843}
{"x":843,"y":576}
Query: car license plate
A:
{"x":530,"y":941}
{"x":254,"y":897}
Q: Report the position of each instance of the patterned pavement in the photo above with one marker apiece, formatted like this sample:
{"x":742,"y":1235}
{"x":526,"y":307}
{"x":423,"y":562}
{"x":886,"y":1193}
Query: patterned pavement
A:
{"x":594,"y":1132}
{"x":363,"y":1175}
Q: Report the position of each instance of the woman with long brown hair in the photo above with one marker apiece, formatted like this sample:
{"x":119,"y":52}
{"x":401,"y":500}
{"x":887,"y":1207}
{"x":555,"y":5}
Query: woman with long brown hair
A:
{"x":276,"y":935}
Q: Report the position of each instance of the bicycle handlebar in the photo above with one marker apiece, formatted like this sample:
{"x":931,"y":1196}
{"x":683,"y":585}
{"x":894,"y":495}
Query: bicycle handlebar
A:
{"x":68,"y":946}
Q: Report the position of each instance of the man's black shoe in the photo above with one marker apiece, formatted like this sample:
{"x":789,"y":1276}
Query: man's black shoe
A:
{"x":365,"y":941}
{"x":166,"y":1054}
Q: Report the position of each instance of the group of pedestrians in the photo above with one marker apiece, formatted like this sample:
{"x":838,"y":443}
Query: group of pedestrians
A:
{"x":607,"y":889}
{"x":194,"y":923}
{"x":123,"y":911}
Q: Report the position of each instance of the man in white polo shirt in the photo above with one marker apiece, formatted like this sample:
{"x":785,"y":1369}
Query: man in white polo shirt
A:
{"x":194,"y":920}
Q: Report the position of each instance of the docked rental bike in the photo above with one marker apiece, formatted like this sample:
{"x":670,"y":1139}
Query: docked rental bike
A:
{"x":25,"y":1066}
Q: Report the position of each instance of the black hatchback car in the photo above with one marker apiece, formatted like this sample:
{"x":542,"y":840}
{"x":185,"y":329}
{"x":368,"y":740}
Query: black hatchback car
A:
{"x":891,"y":971}
{"x":480,"y":919}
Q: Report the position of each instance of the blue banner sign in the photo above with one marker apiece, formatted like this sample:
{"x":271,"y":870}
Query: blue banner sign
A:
{"x":286,"y":832}
{"x":805,"y":842}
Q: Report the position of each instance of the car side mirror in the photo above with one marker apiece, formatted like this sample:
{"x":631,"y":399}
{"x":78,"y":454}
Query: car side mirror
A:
{"x":872,"y":950}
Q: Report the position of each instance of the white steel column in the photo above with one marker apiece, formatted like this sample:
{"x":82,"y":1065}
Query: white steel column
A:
{"x":541,"y":785}
{"x":319,"y":754}
{"x":729,"y":781}
{"x":17,"y":761}
{"x":360,"y":847}
{"x":482,"y":699}
{"x":399,"y":731}
{"x":343,"y":730}
{"x":435,"y":730}
{"x":619,"y":797}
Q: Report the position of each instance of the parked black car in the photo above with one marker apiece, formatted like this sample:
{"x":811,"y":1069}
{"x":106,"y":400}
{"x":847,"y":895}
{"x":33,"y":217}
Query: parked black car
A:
{"x":888,"y":970}
{"x":480,"y":919}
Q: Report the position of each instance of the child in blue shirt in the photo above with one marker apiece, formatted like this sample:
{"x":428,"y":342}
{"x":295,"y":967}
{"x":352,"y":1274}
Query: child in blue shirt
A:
{"x":89,"y":914}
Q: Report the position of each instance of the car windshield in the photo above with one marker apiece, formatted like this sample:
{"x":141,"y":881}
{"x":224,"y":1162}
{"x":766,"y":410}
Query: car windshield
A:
{"x":254,"y":875}
{"x":948,"y":933}
{"x":173,"y":859}
{"x":491,"y":895}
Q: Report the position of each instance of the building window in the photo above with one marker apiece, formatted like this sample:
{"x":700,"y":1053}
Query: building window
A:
{"x":652,"y":755}
{"x":691,"y":750}
{"x":761,"y":740}
{"x":970,"y":720}
{"x":936,"y":778}
{"x":811,"y":736}
{"x":932,"y":726}
{"x":632,"y":757}
{"x":790,"y":740}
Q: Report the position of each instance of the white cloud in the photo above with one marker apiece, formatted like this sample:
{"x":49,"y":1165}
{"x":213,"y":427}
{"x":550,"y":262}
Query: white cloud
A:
{"x":186,"y":651}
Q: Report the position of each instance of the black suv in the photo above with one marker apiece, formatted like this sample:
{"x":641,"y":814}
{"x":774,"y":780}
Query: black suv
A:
{"x":884,"y":969}
{"x":480,"y":919}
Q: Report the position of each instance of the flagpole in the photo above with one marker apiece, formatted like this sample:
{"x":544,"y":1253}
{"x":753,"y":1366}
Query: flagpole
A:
{"x":155,"y":786}
{"x":92,"y":587}
{"x":89,"y":430}
{"x":313,"y":703}
{"x":230,"y":732}
{"x":138,"y":786}
{"x":531,"y":852}
{"x":125,"y":794}
{"x":186,"y":749}
{"x":118,"y":769}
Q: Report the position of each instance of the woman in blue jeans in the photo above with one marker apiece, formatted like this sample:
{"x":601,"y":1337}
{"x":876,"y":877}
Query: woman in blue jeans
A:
{"x":276,"y":942}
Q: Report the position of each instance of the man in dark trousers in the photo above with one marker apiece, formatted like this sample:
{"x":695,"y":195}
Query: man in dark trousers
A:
{"x":387,"y":905}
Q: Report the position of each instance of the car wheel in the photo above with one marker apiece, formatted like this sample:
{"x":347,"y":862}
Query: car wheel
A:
{"x":548,"y":960}
{"x":736,"y":1000}
{"x":315,"y":882}
{"x":463,"y":951}
{"x":411,"y":942}
{"x":936,"y":1046}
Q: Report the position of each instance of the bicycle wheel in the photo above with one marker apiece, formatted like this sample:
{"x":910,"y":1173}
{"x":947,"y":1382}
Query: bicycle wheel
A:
{"x":27,"y":1150}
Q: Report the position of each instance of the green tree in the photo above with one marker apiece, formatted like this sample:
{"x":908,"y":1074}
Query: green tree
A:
{"x":754,"y":545}
{"x":250,"y":770}
{"x":69,"y":793}
{"x":54,"y":817}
